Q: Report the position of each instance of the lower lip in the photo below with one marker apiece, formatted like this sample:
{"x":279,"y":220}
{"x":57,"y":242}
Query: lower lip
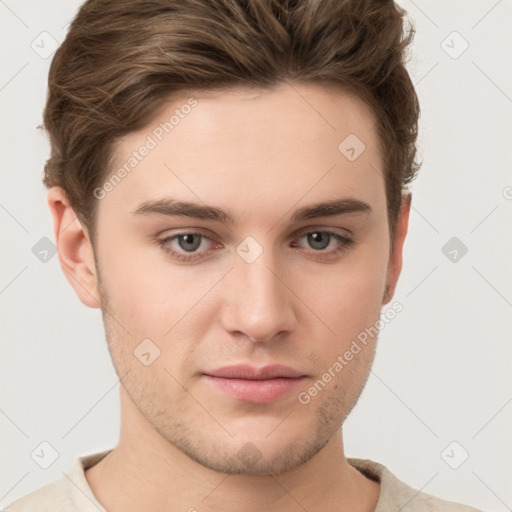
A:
{"x":256,"y":391}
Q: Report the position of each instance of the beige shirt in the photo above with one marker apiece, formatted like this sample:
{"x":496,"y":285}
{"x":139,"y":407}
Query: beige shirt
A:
{"x":72,"y":492}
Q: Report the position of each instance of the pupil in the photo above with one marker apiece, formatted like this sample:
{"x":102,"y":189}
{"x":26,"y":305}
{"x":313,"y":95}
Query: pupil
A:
{"x":189,"y":242}
{"x":319,"y":240}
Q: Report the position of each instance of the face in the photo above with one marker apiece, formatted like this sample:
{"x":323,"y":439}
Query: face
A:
{"x":240,"y":256}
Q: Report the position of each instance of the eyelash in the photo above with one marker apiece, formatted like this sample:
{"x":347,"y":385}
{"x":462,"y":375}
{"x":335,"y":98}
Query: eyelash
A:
{"x":344,"y":241}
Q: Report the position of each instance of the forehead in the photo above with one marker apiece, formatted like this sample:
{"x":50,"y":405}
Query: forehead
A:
{"x":284,"y":142}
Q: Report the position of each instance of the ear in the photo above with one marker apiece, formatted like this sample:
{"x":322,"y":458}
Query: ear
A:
{"x":74,"y":247}
{"x":395,"y":258}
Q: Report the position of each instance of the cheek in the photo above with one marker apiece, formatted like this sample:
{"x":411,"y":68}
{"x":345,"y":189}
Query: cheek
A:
{"x":353,"y":288}
{"x":346,"y":300}
{"x":148,"y":294}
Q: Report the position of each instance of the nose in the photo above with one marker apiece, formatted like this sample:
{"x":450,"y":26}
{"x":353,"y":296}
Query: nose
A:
{"x":257,"y":302}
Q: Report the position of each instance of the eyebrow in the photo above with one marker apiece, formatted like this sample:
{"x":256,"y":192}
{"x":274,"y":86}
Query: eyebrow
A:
{"x":171,"y":207}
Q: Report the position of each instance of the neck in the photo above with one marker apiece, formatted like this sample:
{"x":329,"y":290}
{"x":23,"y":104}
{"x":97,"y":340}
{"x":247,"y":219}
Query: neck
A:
{"x":146,"y":472}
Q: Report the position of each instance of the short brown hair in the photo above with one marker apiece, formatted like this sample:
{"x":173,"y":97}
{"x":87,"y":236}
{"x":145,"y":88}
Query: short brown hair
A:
{"x":122,"y":59}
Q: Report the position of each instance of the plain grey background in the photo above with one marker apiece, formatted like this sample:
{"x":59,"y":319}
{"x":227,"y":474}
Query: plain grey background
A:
{"x":440,"y":389}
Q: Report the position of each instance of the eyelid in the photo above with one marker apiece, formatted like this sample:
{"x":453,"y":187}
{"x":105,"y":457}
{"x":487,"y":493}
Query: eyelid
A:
{"x":170,"y":232}
{"x":342,"y":239}
{"x":213,"y":236}
{"x":197,"y":232}
{"x":343,"y":232}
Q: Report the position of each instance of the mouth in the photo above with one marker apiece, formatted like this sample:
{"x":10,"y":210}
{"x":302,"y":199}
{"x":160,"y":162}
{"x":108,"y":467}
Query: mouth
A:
{"x":257,"y":385}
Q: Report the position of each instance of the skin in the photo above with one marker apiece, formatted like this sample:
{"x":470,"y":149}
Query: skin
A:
{"x":296,"y":304}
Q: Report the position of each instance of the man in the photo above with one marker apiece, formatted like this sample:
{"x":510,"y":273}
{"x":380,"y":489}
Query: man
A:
{"x":228,"y":183}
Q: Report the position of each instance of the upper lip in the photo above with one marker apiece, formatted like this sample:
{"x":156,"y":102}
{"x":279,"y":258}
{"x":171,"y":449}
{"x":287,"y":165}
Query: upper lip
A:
{"x":245,"y":371}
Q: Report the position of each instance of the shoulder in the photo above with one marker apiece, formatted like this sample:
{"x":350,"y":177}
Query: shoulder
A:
{"x":397,"y":495}
{"x":70,"y":493}
{"x":52,"y":497}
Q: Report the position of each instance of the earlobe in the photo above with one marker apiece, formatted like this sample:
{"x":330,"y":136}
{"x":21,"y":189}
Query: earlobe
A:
{"x":74,"y":248}
{"x":395,"y":259}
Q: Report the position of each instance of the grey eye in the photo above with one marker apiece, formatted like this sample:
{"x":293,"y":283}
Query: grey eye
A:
{"x":190,"y":242}
{"x":319,"y":240}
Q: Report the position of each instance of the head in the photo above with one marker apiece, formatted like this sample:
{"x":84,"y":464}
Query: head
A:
{"x":228,"y":182}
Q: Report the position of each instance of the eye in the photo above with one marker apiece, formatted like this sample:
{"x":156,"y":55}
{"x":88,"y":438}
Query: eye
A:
{"x":186,"y":246}
{"x":319,"y":239}
{"x":190,"y":246}
{"x":324,"y":243}
{"x":189,"y":242}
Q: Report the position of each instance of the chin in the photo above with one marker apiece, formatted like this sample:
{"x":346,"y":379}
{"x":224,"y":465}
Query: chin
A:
{"x":249,"y":459}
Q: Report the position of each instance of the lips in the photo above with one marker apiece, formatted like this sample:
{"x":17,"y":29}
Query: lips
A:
{"x":251,"y":373}
{"x":257,"y":385}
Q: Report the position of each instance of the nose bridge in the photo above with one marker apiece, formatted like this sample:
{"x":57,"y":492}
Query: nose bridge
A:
{"x":258,"y":304}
